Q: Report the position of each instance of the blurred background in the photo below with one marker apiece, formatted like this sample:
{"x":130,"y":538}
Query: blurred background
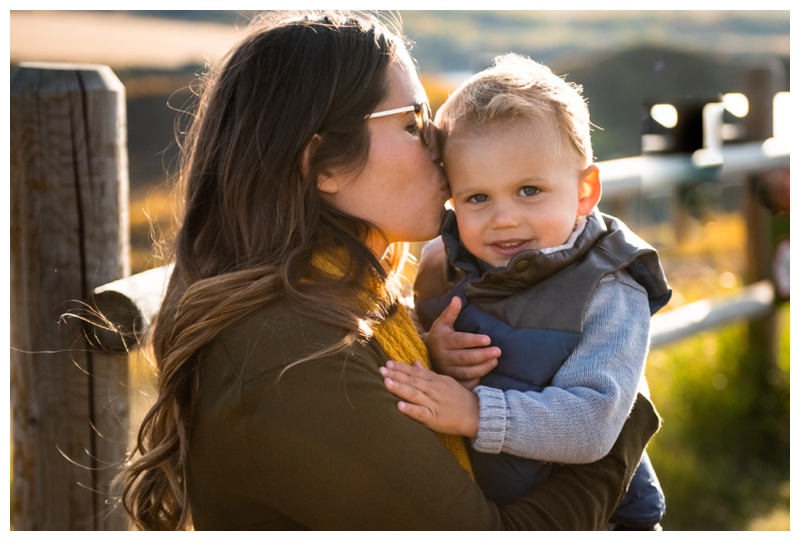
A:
{"x":723,"y":452}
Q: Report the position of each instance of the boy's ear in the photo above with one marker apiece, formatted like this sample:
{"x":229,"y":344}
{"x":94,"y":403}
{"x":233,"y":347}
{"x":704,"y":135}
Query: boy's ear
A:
{"x":589,"y":190}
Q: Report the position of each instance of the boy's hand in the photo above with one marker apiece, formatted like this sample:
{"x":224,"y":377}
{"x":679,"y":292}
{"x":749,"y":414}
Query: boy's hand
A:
{"x":439,"y":402}
{"x":461,"y":355}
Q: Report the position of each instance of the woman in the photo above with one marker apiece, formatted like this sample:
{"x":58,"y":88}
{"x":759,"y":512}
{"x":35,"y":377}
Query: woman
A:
{"x":310,"y":161}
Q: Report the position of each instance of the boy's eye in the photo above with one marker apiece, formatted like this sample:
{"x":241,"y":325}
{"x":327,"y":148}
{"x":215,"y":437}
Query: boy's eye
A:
{"x":478,"y":198}
{"x":412,"y":128}
{"x":529,"y":191}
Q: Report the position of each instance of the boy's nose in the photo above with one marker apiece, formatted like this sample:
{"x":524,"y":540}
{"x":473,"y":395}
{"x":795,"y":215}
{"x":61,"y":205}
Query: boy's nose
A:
{"x":504,"y":216}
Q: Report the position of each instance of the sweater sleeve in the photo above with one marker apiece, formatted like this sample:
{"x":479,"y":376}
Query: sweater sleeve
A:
{"x":577,"y":419}
{"x":326,"y":447}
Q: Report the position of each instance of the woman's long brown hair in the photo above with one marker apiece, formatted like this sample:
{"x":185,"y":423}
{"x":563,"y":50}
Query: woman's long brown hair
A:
{"x":253,"y":218}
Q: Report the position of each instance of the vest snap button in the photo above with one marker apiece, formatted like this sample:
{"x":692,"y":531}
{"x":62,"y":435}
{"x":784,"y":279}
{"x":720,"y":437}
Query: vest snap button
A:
{"x":522,"y":266}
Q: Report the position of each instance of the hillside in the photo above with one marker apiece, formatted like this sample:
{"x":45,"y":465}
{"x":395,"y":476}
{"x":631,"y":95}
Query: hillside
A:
{"x":622,"y":58}
{"x":465,"y":40}
{"x":444,"y":41}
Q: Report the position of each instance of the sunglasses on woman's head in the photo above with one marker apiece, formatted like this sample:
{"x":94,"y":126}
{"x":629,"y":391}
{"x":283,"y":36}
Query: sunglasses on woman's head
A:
{"x":427,"y":131}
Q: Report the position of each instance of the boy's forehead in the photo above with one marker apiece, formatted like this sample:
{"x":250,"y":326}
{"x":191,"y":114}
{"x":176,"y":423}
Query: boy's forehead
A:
{"x":533,"y":126}
{"x":502,"y":143}
{"x":533,"y":132}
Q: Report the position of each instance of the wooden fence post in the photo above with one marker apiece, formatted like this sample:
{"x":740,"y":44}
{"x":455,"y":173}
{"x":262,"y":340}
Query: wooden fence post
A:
{"x":762,"y":80}
{"x":69,"y":233}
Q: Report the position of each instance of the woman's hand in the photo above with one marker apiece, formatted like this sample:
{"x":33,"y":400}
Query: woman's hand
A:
{"x":439,"y":402}
{"x":462,"y":355}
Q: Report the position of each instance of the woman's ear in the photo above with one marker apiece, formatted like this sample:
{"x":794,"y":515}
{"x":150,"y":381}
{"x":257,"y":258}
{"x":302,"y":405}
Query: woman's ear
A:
{"x":325,"y":183}
{"x":589,"y":190}
{"x":305,"y":157}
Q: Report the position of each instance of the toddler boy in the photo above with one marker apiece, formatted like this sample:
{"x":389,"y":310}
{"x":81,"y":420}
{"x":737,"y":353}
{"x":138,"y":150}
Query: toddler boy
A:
{"x":564,"y":292}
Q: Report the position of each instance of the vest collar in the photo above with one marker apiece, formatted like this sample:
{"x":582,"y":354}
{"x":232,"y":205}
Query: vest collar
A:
{"x":525,"y":268}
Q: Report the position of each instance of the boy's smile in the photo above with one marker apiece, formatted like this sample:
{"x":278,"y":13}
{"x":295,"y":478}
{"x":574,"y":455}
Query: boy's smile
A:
{"x":514,"y":189}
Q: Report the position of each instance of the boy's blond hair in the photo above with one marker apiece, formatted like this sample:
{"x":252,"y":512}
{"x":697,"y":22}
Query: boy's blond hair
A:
{"x":519,"y":90}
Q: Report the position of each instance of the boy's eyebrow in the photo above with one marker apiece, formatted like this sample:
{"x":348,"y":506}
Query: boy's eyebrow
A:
{"x":472,"y":189}
{"x":467,"y":189}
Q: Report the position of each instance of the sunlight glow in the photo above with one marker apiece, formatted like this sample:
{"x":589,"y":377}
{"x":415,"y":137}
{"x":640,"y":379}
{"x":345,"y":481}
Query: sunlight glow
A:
{"x":781,"y":116}
{"x":707,"y":157}
{"x":712,"y":126}
{"x":727,"y":280}
{"x":775,"y":147}
{"x":736,"y":103}
{"x":665,"y":114}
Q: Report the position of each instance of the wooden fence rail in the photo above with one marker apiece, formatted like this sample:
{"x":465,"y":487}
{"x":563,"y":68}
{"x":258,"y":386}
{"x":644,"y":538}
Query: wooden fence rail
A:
{"x":69,"y":243}
{"x":132,"y":303}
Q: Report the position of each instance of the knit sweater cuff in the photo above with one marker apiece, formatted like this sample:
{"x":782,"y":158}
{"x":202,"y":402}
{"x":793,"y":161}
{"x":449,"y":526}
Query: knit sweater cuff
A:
{"x":492,"y":424}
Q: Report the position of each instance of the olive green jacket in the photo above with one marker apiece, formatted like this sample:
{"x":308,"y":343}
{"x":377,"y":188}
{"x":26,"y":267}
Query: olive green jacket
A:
{"x":324,"y":446}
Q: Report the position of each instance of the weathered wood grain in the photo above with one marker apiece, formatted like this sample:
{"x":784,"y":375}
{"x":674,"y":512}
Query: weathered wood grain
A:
{"x":69,"y":233}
